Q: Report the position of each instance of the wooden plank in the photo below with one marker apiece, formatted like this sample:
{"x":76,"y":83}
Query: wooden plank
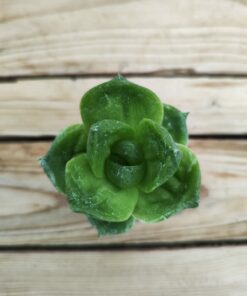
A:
{"x":107,"y":36}
{"x":32,"y":213}
{"x":43,"y":107}
{"x":188,"y":272}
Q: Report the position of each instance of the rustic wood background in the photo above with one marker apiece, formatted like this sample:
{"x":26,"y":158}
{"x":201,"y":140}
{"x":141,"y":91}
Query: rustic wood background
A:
{"x":193,"y":54}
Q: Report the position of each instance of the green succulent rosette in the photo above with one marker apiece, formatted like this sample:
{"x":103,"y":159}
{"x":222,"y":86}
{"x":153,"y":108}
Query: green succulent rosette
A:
{"x":128,"y":160}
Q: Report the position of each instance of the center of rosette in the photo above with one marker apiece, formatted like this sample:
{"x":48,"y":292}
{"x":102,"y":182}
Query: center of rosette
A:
{"x":125,"y":167}
{"x":129,"y":152}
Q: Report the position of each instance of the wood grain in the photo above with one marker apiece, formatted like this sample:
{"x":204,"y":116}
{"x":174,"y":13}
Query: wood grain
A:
{"x":188,"y":272}
{"x":43,"y":107}
{"x":107,"y":36}
{"x":31,"y":213}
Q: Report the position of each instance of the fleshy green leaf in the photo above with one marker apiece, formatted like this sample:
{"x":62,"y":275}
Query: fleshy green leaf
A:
{"x":179,"y":192}
{"x":175,"y":122}
{"x":68,"y":143}
{"x":122,"y":100}
{"x":151,"y":207}
{"x":160,"y":152}
{"x":96,"y":196}
{"x":124,"y":176}
{"x":186,"y":182}
{"x":111,"y":228}
{"x":102,"y":135}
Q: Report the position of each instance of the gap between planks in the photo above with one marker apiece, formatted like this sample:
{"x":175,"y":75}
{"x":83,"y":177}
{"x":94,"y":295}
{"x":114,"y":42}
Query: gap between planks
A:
{"x":48,"y":138}
{"x":168,"y":75}
{"x":125,"y":247}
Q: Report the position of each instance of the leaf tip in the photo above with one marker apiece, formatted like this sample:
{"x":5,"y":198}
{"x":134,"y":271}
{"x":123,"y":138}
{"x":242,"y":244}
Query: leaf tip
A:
{"x":41,"y":161}
{"x":186,"y":114}
{"x":119,"y":76}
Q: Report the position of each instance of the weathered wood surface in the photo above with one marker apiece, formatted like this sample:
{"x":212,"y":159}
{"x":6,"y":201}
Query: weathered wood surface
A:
{"x":43,"y":107}
{"x":189,"y":272}
{"x":32,"y":213}
{"x":106,"y":36}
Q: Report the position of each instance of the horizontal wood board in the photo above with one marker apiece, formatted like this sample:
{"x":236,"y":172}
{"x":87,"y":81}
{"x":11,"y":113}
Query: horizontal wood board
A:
{"x":189,"y":272}
{"x":45,"y":106}
{"x":32,"y":213}
{"x":109,"y":36}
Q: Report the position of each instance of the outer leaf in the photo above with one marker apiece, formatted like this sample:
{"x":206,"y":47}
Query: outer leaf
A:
{"x":179,"y":192}
{"x":68,"y":143}
{"x":111,"y":228}
{"x":185,"y":184}
{"x":101,"y":136}
{"x":96,"y":196}
{"x":121,"y":100}
{"x":160,"y":152}
{"x":175,"y":122}
{"x":152,"y":207}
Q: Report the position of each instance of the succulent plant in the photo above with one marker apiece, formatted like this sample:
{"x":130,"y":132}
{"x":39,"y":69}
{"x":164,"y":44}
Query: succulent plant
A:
{"x":128,"y":160}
